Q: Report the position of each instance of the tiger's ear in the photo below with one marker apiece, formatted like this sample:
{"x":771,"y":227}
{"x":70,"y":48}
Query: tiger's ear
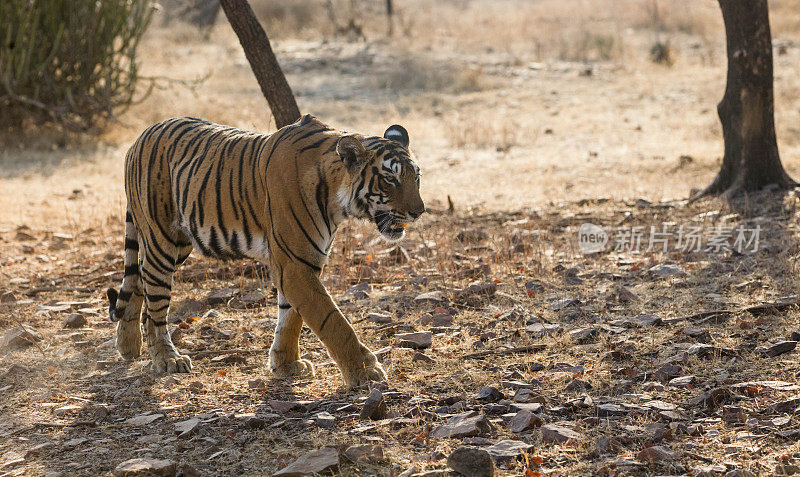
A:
{"x":351,"y":151}
{"x":398,"y":134}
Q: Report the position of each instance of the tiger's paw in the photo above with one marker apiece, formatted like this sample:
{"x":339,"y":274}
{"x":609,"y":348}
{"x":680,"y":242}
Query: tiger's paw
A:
{"x":129,"y":339}
{"x":172,"y":364}
{"x":368,"y":371}
{"x":299,"y":368}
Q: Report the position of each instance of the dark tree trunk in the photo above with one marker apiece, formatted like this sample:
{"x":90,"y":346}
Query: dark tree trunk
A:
{"x":389,"y":17}
{"x":262,"y":61}
{"x":751,"y":159}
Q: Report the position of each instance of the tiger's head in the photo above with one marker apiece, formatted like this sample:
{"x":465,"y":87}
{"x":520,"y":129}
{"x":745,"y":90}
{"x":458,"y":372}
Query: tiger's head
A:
{"x":385,"y":180}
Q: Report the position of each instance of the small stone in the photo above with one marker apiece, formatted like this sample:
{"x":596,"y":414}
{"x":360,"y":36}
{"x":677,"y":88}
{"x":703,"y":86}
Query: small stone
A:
{"x":682,"y":381}
{"x":625,"y":295}
{"x":484,"y":289}
{"x":418,"y":340}
{"x":375,"y":406}
{"x":145,"y":467}
{"x":778,"y":349}
{"x":608,"y":409}
{"x":379,"y":318}
{"x":19,"y":337}
{"x":75,"y":320}
{"x":583,"y":335}
{"x":655,"y":454}
{"x":471,"y":462}
{"x":422,"y":358}
{"x":606,"y":445}
{"x":254,"y":298}
{"x":558,"y":434}
{"x":433,"y":297}
{"x":507,"y":450}
{"x":364,"y":453}
{"x":564,"y":303}
{"x":577,"y":386}
{"x":324,"y":420}
{"x":186,"y":428}
{"x":541,"y":329}
{"x":468,"y":424}
{"x":251,"y":421}
{"x":7,"y":297}
{"x":315,"y":462}
{"x":489,"y":394}
{"x":665,"y":270}
{"x":471,"y":236}
{"x":524,"y":420}
{"x":221,"y":296}
{"x":143,"y":419}
{"x":641,"y":321}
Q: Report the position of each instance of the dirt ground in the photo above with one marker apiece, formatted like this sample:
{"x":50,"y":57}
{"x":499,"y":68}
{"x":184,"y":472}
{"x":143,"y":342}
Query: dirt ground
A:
{"x":626,"y":361}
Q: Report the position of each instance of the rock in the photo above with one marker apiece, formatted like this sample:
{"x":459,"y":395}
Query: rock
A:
{"x":315,"y":462}
{"x":375,"y":406}
{"x":471,"y":462}
{"x":325,"y":420}
{"x":433,"y":297}
{"x":19,"y":337}
{"x":507,"y":450}
{"x":787,"y":405}
{"x":489,"y":394}
{"x":577,"y":386}
{"x":606,"y":445}
{"x":468,"y":424}
{"x":75,"y":320}
{"x":359,"y":291}
{"x":608,"y":409}
{"x":665,"y":270}
{"x":682,"y":381}
{"x":283,"y":407}
{"x":422,"y":358}
{"x":625,"y":294}
{"x":143,"y":419}
{"x":184,"y":309}
{"x":558,"y":434}
{"x":484,"y":289}
{"x":541,"y":329}
{"x":778,"y":349}
{"x":7,"y":297}
{"x":251,"y":421}
{"x":221,"y":296}
{"x":364,"y":453}
{"x":145,"y":467}
{"x":379,"y":318}
{"x":563,"y":303}
{"x":582,"y":335}
{"x":655,"y":454}
{"x":186,"y":428}
{"x":733,"y":414}
{"x":418,"y":340}
{"x":254,"y":299}
{"x":523,"y":421}
{"x":641,"y":321}
{"x":668,"y":371}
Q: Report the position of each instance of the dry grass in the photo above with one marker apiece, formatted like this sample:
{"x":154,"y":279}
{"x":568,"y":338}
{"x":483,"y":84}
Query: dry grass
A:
{"x":525,"y":114}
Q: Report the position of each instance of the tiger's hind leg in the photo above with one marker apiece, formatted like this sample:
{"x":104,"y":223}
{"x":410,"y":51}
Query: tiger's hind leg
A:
{"x":125,"y":307}
{"x":284,"y":354}
{"x":157,"y":269}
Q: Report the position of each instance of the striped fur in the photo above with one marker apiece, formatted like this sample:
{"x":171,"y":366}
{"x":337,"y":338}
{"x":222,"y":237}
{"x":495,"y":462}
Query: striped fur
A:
{"x":232,"y":194}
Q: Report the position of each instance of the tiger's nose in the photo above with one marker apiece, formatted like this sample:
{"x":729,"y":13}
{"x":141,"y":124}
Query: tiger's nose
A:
{"x":416,"y":213}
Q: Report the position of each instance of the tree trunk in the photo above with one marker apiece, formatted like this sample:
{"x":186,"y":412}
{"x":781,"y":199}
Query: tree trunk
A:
{"x":262,"y":61}
{"x":389,"y":17}
{"x":751,"y":159}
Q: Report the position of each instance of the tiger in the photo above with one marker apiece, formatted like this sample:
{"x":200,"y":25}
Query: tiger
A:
{"x":276,"y":198}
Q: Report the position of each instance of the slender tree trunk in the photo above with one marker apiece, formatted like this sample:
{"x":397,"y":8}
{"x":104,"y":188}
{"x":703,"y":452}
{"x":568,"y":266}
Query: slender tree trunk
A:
{"x":262,"y":61}
{"x":389,"y":17}
{"x":751,"y":159}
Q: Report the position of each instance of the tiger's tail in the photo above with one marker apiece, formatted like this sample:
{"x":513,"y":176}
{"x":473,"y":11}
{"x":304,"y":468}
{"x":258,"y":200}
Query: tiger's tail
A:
{"x":131,"y":281}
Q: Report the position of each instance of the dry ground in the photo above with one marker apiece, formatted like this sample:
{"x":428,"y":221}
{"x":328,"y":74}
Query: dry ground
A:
{"x":533,"y":123}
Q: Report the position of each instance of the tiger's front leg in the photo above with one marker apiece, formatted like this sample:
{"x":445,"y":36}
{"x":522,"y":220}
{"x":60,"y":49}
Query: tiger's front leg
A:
{"x":304,"y":290}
